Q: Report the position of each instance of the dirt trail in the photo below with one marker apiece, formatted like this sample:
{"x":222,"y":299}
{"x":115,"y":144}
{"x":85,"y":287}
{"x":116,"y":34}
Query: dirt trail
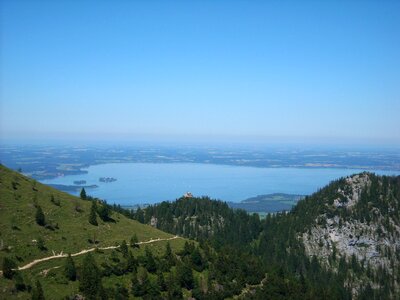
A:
{"x":61,"y":254}
{"x":248,"y":289}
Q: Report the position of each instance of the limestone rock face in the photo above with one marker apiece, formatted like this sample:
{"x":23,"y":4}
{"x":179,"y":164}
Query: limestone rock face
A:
{"x":371,"y":234}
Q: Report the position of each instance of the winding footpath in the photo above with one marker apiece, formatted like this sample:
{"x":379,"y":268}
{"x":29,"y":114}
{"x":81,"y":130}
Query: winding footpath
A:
{"x":61,"y":254}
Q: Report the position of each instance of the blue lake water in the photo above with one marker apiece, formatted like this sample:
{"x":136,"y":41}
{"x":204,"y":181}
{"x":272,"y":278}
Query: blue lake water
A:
{"x":139,"y":183}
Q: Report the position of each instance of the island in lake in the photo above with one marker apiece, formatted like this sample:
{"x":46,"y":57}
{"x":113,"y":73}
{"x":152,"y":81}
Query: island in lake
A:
{"x":107,"y":179}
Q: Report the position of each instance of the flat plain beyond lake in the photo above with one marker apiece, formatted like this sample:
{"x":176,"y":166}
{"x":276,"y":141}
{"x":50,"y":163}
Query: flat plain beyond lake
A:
{"x":140,"y":183}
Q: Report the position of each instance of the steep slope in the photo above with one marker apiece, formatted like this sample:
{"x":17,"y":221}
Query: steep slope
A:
{"x":358,"y":221}
{"x":65,"y":229}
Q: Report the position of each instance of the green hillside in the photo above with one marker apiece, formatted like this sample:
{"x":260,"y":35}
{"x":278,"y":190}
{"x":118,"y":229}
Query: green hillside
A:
{"x":66,"y":229}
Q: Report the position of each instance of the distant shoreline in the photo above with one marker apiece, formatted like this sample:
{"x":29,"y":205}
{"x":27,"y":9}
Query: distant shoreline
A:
{"x":82,"y":171}
{"x":43,"y":162}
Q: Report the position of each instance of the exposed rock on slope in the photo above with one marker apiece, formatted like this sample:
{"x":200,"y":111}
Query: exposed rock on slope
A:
{"x":360,"y":220}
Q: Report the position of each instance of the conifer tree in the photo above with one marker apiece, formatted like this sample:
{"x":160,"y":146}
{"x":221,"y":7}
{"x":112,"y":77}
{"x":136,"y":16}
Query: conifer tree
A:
{"x":144,"y":280}
{"x":135,"y":285}
{"x":8,"y":266}
{"x":184,"y":275}
{"x":131,"y":263}
{"x":90,"y":278}
{"x":197,"y":291}
{"x":92,"y":215}
{"x":104,"y":212}
{"x":38,"y":292}
{"x":161,"y":281}
{"x":39,"y":216}
{"x":83,"y":194}
{"x":124,"y":249}
{"x":169,"y":256}
{"x":139,"y":216}
{"x":69,"y":268}
{"x":174,"y":288}
{"x":150,"y":262}
{"x":141,"y":284}
{"x":197,"y":260}
{"x":186,"y":249}
{"x":134,"y":241}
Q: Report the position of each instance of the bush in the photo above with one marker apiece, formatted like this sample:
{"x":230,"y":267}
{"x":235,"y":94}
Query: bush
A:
{"x":19,"y":282}
{"x":8,"y":266}
{"x":69,"y":268}
{"x":40,"y":244}
{"x":39,"y":216}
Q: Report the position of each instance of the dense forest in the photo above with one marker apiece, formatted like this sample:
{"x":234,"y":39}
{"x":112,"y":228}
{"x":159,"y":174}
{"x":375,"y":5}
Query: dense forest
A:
{"x":276,"y":249}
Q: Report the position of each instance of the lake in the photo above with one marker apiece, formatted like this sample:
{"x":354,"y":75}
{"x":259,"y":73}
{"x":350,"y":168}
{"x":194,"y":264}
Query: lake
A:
{"x":139,"y":183}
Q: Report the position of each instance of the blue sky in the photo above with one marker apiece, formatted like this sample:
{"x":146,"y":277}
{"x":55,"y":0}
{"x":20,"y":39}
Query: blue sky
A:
{"x":259,"y":70}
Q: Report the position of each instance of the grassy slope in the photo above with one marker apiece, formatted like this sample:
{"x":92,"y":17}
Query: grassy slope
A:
{"x":17,"y":209}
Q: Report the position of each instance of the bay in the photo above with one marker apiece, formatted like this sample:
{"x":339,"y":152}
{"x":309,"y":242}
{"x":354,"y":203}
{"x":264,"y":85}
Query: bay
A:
{"x":140,"y":183}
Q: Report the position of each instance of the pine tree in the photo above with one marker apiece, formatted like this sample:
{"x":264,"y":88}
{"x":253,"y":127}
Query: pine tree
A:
{"x":141,"y":284}
{"x":90,"y":278}
{"x":124,"y":249}
{"x":184,"y":275}
{"x":197,"y":260}
{"x":83,"y":194}
{"x":8,"y":266}
{"x":187,"y":249}
{"x":161,"y":281}
{"x":139,"y":216}
{"x":149,"y":262}
{"x":121,"y":292}
{"x":134,"y":241}
{"x":144,"y":280}
{"x":135,"y":285}
{"x":197,"y":291}
{"x":69,"y":268}
{"x":104,"y":212}
{"x":38,"y":292}
{"x":174,"y":288}
{"x":39,"y":216}
{"x":92,"y":215}
{"x":131,"y":263}
{"x":169,"y":256}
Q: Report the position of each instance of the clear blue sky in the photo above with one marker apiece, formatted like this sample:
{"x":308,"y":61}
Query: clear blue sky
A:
{"x":201,"y":69}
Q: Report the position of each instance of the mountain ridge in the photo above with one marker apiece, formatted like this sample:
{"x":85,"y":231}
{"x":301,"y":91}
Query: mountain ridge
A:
{"x":298,"y":240}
